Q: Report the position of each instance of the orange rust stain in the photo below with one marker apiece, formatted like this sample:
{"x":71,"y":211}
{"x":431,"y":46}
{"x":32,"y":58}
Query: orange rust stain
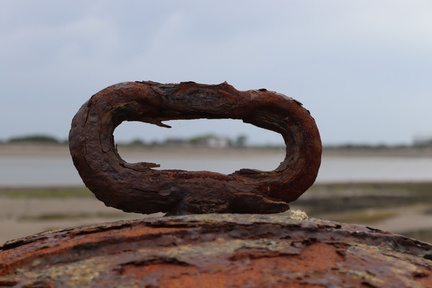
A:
{"x":159,"y":270}
{"x":21,"y":255}
{"x":316,"y":257}
{"x":426,"y":281}
{"x":320,"y":256}
{"x":250,"y":278}
{"x":243,"y":271}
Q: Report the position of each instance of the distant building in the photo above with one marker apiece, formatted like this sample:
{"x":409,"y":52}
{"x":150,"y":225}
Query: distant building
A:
{"x":209,"y":141}
{"x":216,"y":142}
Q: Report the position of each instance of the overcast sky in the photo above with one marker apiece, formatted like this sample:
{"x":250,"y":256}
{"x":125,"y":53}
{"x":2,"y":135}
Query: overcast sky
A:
{"x":363,"y":68}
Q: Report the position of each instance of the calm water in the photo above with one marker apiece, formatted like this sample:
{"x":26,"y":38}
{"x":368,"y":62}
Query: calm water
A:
{"x":58,"y":171}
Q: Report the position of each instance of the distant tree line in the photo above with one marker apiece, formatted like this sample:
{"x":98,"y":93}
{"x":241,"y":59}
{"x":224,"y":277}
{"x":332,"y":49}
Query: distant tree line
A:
{"x":37,"y":138}
{"x":207,"y":140}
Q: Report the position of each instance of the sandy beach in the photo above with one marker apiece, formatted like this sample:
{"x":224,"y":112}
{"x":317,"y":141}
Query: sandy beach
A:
{"x":24,"y":217}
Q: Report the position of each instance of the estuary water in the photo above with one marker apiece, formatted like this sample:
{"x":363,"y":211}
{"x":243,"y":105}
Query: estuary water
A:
{"x":58,"y":170}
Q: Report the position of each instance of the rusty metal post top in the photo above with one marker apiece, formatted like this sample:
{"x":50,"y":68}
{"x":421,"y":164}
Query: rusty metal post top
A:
{"x":223,"y":250}
{"x":136,"y":187}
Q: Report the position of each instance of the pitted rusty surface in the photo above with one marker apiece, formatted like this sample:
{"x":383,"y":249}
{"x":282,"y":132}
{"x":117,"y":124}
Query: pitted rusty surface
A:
{"x":137,"y":187}
{"x":219,"y":250}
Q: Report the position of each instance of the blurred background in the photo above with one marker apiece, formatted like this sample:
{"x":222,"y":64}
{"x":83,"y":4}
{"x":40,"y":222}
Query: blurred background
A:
{"x":362,"y":68}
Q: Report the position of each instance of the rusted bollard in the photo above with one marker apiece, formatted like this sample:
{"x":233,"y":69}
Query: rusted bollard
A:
{"x":139,"y":188}
{"x":217,"y":250}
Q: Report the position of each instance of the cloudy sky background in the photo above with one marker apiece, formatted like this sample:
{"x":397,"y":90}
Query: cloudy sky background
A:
{"x":363,"y":68}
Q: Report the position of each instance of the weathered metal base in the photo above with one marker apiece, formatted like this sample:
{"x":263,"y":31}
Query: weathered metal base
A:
{"x":222,"y":250}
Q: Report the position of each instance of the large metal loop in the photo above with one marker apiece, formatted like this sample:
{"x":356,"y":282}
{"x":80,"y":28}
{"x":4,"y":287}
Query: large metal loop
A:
{"x":136,"y":187}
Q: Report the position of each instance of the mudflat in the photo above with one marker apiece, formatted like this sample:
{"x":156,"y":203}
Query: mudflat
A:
{"x":26,"y":216}
{"x":404,"y":208}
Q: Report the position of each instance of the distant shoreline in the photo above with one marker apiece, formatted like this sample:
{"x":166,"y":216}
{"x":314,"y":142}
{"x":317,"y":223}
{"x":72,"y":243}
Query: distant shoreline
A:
{"x":379,"y":152}
{"x":59,"y":150}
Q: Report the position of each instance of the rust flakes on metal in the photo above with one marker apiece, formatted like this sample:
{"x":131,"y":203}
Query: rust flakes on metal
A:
{"x":219,"y":250}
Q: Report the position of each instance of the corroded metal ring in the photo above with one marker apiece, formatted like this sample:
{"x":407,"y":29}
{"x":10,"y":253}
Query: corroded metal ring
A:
{"x":136,"y":187}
